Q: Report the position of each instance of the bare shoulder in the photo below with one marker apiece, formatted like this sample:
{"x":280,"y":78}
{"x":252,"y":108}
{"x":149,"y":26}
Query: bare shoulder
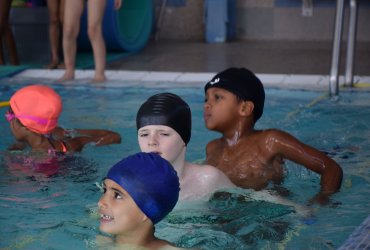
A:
{"x":273,"y":132}
{"x":210,"y":176}
{"x":270,"y":136}
{"x":212,"y":145}
{"x":203,"y":169}
{"x":163,"y":245}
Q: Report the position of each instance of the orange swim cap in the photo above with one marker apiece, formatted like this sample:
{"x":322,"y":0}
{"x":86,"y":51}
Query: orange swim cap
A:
{"x":37,"y":107}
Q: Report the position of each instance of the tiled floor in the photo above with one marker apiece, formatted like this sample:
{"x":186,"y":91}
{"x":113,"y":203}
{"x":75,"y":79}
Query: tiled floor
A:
{"x":269,"y":57}
{"x":278,"y":64}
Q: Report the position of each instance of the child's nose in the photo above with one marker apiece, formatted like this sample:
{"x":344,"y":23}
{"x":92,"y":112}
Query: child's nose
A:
{"x":206,"y":105}
{"x":153,"y":140}
{"x":102,"y":203}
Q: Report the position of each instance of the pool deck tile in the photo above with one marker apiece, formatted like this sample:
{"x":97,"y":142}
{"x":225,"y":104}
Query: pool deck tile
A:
{"x":121,"y":78}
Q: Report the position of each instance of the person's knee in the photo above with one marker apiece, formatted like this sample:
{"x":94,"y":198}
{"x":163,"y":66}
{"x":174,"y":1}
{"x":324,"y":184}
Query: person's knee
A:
{"x":94,"y":32}
{"x":53,"y":20}
{"x":61,"y":17}
{"x":70,"y":32}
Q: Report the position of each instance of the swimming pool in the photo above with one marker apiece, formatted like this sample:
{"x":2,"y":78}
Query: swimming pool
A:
{"x":55,"y":209}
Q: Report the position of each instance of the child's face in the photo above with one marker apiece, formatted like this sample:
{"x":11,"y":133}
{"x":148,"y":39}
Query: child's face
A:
{"x":221,"y":109}
{"x":16,"y":128}
{"x":161,"y":139}
{"x":119,"y":214}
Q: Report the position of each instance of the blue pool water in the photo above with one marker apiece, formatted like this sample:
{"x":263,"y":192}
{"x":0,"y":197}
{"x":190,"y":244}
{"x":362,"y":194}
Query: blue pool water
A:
{"x":44,"y":207}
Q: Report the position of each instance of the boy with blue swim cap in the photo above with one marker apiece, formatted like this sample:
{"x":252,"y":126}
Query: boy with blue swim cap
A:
{"x":234,"y":101}
{"x":139,"y":191}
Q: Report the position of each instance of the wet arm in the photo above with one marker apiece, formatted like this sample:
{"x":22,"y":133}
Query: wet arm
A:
{"x":17,"y":146}
{"x":292,"y":149}
{"x":100,"y":137}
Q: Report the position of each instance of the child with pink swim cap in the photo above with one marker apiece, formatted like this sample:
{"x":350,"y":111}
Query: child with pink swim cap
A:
{"x":33,"y":118}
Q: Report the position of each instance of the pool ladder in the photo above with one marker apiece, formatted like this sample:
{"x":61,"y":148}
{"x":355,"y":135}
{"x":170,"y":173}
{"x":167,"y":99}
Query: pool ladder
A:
{"x":337,"y":40}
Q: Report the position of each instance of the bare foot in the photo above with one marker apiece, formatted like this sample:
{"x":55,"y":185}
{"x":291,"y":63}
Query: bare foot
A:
{"x":67,"y":77}
{"x":52,"y":65}
{"x":99,"y":79}
{"x":61,"y":66}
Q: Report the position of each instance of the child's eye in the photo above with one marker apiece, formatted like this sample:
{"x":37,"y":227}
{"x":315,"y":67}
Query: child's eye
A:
{"x":165,"y":134}
{"x":117,"y":195}
{"x":206,"y":99}
{"x":218,"y":97}
{"x":143,"y":135}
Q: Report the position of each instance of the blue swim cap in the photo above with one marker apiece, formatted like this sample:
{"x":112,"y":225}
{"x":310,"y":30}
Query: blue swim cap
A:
{"x":150,"y":180}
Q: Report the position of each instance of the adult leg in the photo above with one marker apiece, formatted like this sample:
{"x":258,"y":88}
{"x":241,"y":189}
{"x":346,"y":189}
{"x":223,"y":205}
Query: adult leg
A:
{"x":96,"y":9}
{"x":71,"y":26}
{"x":61,"y":17}
{"x":54,"y":32}
{"x":6,"y":34}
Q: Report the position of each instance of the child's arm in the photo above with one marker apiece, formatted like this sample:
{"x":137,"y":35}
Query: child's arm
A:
{"x":17,"y":146}
{"x":292,"y":149}
{"x":100,"y":137}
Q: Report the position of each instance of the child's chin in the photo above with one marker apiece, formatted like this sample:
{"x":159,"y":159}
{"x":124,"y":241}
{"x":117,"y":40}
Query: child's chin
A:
{"x":105,"y":229}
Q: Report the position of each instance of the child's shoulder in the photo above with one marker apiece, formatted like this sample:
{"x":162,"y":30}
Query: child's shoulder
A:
{"x":267,"y":139}
{"x":261,"y":138}
{"x":200,"y":168}
{"x":269,"y":133}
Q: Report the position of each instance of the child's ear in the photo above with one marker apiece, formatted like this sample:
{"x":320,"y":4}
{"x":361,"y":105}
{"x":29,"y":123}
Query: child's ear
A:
{"x":246,"y":108}
{"x":144,"y":218}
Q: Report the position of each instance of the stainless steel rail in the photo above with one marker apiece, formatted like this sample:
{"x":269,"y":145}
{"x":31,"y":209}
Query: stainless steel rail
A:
{"x":351,"y":43}
{"x":337,"y":40}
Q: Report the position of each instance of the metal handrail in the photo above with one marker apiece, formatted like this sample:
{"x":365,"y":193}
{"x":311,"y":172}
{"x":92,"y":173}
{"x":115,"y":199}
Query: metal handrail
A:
{"x":337,"y":39}
{"x":351,"y":43}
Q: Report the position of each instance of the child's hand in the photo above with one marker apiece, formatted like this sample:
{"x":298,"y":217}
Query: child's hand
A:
{"x":17,"y":146}
{"x":323,"y":199}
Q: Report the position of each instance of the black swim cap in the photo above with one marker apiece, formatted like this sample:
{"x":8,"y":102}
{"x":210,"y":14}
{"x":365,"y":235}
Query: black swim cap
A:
{"x":242,"y":83}
{"x":166,"y":109}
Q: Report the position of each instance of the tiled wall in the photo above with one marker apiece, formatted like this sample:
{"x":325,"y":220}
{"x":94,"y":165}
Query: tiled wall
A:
{"x":265,"y":19}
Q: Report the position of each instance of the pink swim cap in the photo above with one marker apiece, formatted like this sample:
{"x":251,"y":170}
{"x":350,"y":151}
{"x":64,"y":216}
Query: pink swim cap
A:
{"x":37,"y":107}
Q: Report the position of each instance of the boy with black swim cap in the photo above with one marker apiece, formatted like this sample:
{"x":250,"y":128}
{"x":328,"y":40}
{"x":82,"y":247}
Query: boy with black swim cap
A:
{"x":252,"y":158}
{"x":164,"y":126}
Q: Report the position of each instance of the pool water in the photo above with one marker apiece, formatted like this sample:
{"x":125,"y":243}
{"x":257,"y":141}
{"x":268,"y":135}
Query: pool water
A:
{"x":50,"y":202}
